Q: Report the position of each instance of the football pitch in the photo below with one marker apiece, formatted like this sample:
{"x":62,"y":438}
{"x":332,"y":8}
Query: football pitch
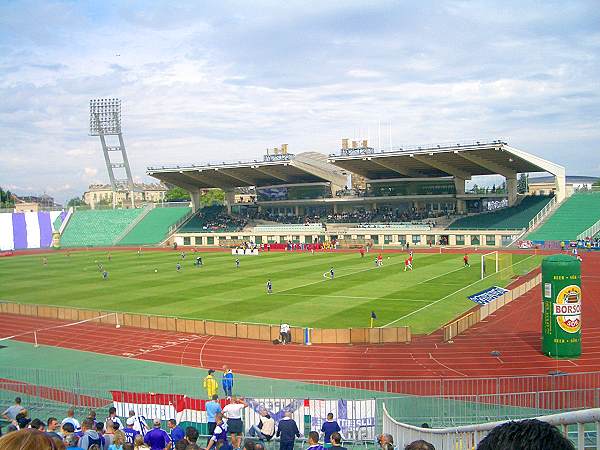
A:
{"x":425,"y":298}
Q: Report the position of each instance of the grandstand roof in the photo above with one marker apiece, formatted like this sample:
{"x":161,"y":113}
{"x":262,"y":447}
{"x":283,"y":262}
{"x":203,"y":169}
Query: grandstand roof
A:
{"x":308,"y":167}
{"x":459,"y":160}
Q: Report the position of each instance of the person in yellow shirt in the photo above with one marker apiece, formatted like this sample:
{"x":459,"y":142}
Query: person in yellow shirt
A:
{"x":210,"y":384}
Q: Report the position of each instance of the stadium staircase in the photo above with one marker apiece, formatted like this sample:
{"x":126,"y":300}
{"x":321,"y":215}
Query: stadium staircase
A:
{"x":94,"y":228}
{"x":513,"y":218}
{"x":572,"y":218}
{"x":154,"y":227}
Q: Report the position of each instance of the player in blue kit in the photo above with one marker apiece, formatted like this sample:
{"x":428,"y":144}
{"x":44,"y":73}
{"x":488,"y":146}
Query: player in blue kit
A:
{"x":269,"y":287}
{"x":237,"y":263}
{"x":178,"y":267}
{"x":331,"y":273}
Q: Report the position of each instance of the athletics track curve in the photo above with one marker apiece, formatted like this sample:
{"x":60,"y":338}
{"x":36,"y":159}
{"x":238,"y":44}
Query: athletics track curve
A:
{"x":514,"y":331}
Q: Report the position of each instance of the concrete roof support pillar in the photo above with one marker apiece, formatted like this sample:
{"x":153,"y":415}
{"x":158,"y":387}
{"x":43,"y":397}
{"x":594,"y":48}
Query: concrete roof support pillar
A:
{"x":229,"y":199}
{"x":195,"y":195}
{"x":511,"y":189}
{"x":461,"y":204}
{"x":561,"y":187}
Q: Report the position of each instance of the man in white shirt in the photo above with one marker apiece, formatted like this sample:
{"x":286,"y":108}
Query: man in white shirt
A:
{"x":71,"y":419}
{"x":112,"y":416}
{"x":284,"y":333}
{"x":235,"y":426}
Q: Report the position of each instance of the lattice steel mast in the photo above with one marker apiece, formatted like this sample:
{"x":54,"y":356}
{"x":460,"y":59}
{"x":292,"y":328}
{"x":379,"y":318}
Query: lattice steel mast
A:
{"x":105,"y":121}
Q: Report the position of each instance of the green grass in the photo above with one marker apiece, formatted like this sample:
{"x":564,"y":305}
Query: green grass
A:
{"x":433,"y":293}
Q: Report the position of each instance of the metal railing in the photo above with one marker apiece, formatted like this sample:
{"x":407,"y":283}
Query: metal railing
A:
{"x":541,"y":215}
{"x":469,"y":436}
{"x":590,"y":232}
{"x":149,"y":207}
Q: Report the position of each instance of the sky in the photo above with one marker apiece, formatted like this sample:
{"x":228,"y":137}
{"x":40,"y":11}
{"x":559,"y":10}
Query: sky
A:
{"x":221,"y":81}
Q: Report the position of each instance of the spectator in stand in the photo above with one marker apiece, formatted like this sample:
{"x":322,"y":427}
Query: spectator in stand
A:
{"x":266,"y":427}
{"x":70,"y":441}
{"x":259,"y":446}
{"x":29,"y":439}
{"x":210,"y":384}
{"x":191,"y":437}
{"x":100,"y":430}
{"x":11,"y":412}
{"x":109,"y":433}
{"x":71,"y":419}
{"x":219,"y":436}
{"x":329,"y":426}
{"x":92,"y":416}
{"x":68,"y":429}
{"x":52,"y":428}
{"x":313,"y":441}
{"x":157,"y":438}
{"x":112,"y":416}
{"x":118,"y":441}
{"x":130,"y":432}
{"x":419,"y":445}
{"x":235,"y":426}
{"x":384,"y":439}
{"x":128,"y":446}
{"x":182,"y":445}
{"x":227,"y":381}
{"x":336,"y":441}
{"x":38,"y":425}
{"x":212,"y":409}
{"x":287,"y":432}
{"x":531,"y":434}
{"x":90,"y":436}
{"x":23,"y":419}
{"x":176,"y":432}
{"x":139,"y":443}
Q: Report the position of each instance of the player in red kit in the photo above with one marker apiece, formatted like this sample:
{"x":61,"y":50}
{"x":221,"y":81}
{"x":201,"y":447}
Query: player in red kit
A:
{"x":466,"y":260}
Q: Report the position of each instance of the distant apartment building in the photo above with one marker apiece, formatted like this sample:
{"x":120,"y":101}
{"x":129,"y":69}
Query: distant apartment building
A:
{"x":102,"y":194}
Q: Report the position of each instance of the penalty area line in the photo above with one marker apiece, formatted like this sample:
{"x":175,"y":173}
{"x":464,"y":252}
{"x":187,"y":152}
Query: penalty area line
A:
{"x":451,"y":294}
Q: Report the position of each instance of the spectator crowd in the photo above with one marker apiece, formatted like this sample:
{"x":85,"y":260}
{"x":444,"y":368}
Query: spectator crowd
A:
{"x":225,"y":431}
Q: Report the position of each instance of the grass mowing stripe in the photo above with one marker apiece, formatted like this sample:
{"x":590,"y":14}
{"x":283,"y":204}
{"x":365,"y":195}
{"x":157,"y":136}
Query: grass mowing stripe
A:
{"x":455,"y":292}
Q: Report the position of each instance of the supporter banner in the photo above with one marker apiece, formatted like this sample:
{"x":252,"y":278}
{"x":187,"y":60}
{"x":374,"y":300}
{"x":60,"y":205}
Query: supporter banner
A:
{"x":355,"y":417}
{"x":488,"y":295}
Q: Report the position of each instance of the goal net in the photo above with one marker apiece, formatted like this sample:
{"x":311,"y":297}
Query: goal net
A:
{"x":495,"y":262}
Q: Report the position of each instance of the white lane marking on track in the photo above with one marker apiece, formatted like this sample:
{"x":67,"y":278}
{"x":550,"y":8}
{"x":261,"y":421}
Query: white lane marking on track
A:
{"x":449,"y":295}
{"x":202,"y":350}
{"x":444,"y":365}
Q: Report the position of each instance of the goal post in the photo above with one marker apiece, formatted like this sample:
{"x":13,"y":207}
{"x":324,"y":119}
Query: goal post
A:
{"x":490,"y":263}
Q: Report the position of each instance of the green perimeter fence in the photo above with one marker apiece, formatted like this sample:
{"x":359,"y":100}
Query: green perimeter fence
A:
{"x":439,"y":402}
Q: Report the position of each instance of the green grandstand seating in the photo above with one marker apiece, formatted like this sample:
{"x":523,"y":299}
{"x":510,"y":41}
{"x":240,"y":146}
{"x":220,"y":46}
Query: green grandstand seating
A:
{"x":574,"y":216}
{"x":97,"y":227}
{"x":153,"y":228}
{"x":513,"y":218}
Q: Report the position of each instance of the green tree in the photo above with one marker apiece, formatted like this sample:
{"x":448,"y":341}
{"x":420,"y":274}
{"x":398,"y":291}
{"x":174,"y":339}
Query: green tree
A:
{"x":75,"y":201}
{"x":177,"y":194}
{"x":6,"y":199}
{"x":522,"y":183}
{"x":212,"y":197}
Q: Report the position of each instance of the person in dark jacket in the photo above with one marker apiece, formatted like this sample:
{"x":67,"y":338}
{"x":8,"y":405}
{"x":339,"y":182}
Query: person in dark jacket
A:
{"x":287,"y":432}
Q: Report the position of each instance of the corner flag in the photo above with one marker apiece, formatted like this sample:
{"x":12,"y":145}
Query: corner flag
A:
{"x":373,"y":317}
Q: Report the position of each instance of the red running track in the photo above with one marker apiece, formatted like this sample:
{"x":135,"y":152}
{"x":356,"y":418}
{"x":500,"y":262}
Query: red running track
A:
{"x":514,"y":331}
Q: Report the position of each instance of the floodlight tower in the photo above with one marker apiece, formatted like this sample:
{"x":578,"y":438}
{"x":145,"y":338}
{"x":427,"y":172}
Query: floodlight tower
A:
{"x":105,"y":120}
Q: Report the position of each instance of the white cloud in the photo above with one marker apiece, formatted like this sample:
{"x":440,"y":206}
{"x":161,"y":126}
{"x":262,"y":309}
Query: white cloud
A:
{"x":90,"y":172}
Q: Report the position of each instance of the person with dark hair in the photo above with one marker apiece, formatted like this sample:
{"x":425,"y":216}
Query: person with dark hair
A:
{"x":22,"y":419}
{"x":265,"y":430}
{"x":176,"y":431}
{"x":328,"y":427}
{"x":530,"y":434}
{"x":210,"y":384}
{"x":191,"y":437}
{"x":90,"y":436}
{"x":259,"y":446}
{"x":52,"y":428}
{"x":249,"y":445}
{"x":112,"y":416}
{"x":313,"y":441}
{"x":38,"y":425}
{"x":419,"y":445}
{"x":336,"y":441}
{"x":11,"y":412}
{"x":68,"y":429}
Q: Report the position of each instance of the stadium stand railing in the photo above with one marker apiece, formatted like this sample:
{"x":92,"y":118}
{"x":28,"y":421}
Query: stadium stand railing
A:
{"x":290,"y":228}
{"x":572,"y":218}
{"x":590,"y":232}
{"x":91,"y":228}
{"x":144,"y":212}
{"x":573,"y":423}
{"x":154,"y":227}
{"x":540,"y":216}
{"x":511,"y":218}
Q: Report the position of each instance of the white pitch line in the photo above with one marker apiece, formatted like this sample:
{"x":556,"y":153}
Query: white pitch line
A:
{"x":445,"y":366}
{"x":359,"y":298}
{"x":451,"y":294}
